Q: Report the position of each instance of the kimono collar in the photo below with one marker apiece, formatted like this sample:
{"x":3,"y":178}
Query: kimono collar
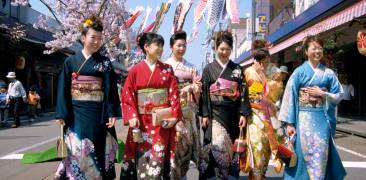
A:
{"x":222,"y":65}
{"x":85,"y":56}
{"x":151,"y":66}
{"x":311,"y":66}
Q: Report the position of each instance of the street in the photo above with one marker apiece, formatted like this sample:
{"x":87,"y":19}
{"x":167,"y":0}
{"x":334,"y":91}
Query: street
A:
{"x":42,"y":134}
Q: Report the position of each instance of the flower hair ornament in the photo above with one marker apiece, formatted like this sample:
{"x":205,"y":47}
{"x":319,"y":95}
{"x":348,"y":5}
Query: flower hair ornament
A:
{"x":88,"y":23}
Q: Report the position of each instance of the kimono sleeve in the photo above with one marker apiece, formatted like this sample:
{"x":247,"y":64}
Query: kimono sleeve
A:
{"x":113,"y":105}
{"x":205,"y":96}
{"x":334,"y":95}
{"x":174,"y":96}
{"x":244,"y":97}
{"x":63,"y":104}
{"x":129,"y":98}
{"x":289,"y":106}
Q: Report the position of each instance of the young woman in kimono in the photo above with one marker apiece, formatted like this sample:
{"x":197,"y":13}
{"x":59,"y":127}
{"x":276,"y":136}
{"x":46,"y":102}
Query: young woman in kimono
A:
{"x":308,"y":108}
{"x":150,"y":85}
{"x":189,"y":86}
{"x":225,"y":106}
{"x":88,"y":104}
{"x":264,"y":130}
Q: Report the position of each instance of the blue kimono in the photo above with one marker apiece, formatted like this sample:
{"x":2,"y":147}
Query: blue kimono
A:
{"x":315,"y":120}
{"x":87,"y":97}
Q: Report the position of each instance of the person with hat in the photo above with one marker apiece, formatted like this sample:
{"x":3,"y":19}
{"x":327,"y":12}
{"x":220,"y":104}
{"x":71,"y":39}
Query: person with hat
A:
{"x":3,"y":106}
{"x":16,"y":95}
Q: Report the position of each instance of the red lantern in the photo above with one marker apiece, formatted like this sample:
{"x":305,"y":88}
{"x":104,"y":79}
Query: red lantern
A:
{"x":361,"y":41}
{"x":20,"y":62}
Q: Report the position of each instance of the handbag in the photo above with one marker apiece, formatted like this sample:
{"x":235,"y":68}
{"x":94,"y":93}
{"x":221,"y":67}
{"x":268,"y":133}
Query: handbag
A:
{"x":61,"y":145}
{"x":240,"y":144}
{"x":162,"y":116}
{"x":286,"y":153}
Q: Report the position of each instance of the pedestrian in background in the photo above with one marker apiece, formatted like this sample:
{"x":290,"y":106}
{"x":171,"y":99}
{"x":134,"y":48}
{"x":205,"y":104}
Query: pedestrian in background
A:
{"x":3,"y":106}
{"x":16,"y":96}
{"x":33,"y":101}
{"x":348,"y":95}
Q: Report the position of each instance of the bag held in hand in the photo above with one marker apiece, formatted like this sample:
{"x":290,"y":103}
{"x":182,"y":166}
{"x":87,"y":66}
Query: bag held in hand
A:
{"x":287,"y":153}
{"x":162,"y":114}
{"x":61,"y":145}
{"x":240,"y":144}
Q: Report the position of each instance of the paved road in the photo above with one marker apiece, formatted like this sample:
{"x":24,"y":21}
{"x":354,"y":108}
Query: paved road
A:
{"x":41,"y":134}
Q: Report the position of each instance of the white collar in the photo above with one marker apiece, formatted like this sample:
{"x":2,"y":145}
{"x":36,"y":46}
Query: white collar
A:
{"x":223,"y":65}
{"x":151,"y":66}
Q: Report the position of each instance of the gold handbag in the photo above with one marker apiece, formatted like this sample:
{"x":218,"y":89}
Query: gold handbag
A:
{"x":163,"y":114}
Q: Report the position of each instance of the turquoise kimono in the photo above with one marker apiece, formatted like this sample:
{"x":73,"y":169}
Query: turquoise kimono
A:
{"x":315,"y":120}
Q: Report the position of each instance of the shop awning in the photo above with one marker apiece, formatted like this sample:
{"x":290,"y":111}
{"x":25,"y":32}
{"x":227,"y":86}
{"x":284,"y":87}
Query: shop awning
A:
{"x":356,"y":10}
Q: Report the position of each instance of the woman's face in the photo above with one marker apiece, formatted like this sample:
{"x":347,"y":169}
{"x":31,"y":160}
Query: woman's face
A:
{"x":154,"y":50}
{"x":314,"y":51}
{"x":92,"y":40}
{"x":179,"y":48}
{"x":223,"y":51}
{"x":262,"y":65}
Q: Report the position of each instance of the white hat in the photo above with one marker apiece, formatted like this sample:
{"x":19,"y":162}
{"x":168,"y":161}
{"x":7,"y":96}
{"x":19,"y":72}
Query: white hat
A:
{"x":11,"y":75}
{"x":284,"y":69}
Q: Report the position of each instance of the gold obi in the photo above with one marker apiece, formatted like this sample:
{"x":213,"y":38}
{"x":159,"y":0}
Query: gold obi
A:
{"x":150,"y":99}
{"x":87,"y":88}
{"x":305,"y":100}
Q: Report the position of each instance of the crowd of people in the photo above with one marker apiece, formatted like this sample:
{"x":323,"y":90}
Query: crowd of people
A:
{"x":248,"y":116}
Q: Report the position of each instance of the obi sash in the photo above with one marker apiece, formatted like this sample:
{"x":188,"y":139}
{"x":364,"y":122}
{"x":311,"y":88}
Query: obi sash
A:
{"x":150,"y":99}
{"x":308,"y":101}
{"x":87,"y":88}
{"x":223,"y":87}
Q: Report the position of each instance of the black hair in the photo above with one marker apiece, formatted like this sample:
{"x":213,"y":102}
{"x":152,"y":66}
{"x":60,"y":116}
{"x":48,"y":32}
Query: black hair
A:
{"x":93,"y":22}
{"x":176,"y":36}
{"x":312,"y":38}
{"x":149,"y":38}
{"x":260,"y":54}
{"x":224,"y":36}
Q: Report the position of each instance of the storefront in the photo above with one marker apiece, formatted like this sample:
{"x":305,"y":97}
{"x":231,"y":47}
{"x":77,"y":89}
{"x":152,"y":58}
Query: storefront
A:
{"x":331,"y":20}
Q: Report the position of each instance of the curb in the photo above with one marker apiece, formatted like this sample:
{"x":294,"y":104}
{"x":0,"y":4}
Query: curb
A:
{"x":352,"y":132}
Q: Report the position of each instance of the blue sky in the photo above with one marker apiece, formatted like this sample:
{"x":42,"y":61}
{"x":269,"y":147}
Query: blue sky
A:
{"x":195,"y":52}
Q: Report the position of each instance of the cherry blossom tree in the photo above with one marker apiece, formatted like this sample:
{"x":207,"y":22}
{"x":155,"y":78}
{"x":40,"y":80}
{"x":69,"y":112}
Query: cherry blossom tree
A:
{"x":70,"y":14}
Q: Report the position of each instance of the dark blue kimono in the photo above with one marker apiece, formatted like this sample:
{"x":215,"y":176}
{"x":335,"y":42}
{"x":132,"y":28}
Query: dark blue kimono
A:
{"x":85,"y":101}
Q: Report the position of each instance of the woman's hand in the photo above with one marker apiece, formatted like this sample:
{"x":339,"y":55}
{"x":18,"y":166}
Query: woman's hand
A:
{"x":112,"y":121}
{"x":60,"y":122}
{"x":242,"y":121}
{"x":290,"y":130}
{"x":204,"y":122}
{"x":133,"y":123}
{"x":169,"y":123}
{"x":315,"y":91}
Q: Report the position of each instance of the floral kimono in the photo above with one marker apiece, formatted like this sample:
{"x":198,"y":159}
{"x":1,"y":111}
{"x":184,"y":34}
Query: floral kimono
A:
{"x":188,"y":143}
{"x":315,"y":120}
{"x":143,"y":91}
{"x":264,"y":130}
{"x":224,"y":99}
{"x":87,"y":96}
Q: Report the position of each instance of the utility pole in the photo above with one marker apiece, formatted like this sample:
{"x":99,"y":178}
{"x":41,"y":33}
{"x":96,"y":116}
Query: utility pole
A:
{"x":254,"y":7}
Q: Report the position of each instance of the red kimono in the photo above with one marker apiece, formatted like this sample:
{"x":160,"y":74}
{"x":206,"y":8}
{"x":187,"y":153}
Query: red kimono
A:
{"x":150,"y":156}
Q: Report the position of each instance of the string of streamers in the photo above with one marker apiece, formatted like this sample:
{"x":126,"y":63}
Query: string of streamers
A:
{"x":133,"y":17}
{"x":161,"y":14}
{"x":215,"y":8}
{"x":144,"y":21}
{"x":232,"y":10}
{"x":197,"y":19}
{"x":181,"y":13}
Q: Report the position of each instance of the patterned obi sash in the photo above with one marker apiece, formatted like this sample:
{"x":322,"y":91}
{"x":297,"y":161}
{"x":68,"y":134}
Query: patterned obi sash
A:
{"x":223,"y":87}
{"x":305,"y":100}
{"x":87,"y":88}
{"x":150,"y":99}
